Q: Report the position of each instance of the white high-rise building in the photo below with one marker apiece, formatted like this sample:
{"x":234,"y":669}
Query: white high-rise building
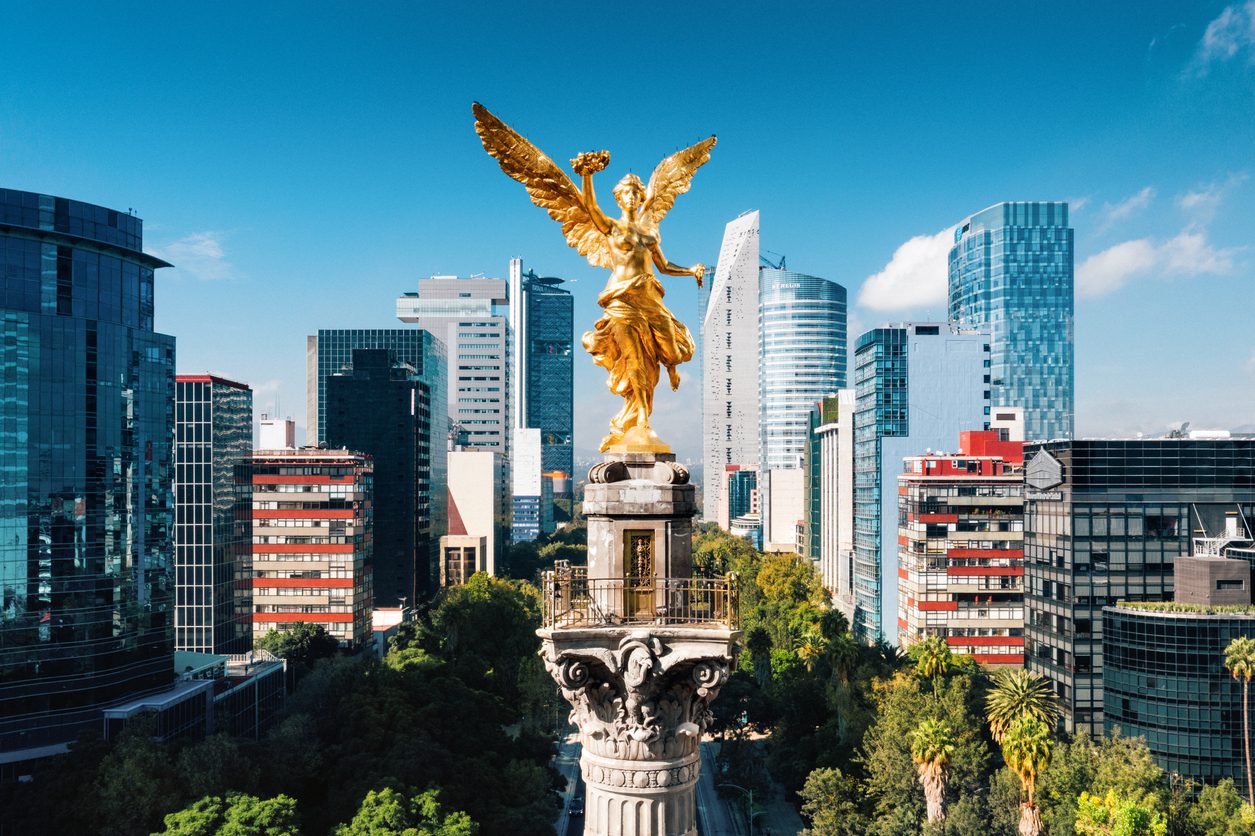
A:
{"x":472,"y":318}
{"x":836,"y":497}
{"x":730,"y":359}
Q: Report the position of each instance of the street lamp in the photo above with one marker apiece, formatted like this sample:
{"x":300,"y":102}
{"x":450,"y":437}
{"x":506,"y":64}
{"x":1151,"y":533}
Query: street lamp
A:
{"x":750,"y":812}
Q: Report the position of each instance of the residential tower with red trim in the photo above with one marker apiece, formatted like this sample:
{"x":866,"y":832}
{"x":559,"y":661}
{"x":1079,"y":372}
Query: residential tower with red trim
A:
{"x":961,"y":548}
{"x":312,"y":542}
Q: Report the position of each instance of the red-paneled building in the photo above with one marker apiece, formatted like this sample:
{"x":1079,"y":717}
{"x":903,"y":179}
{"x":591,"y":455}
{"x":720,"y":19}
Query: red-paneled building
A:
{"x":312,"y":542}
{"x":961,"y":549}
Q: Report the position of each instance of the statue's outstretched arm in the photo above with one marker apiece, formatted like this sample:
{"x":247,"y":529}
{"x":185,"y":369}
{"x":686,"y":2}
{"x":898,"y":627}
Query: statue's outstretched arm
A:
{"x":667,"y":268}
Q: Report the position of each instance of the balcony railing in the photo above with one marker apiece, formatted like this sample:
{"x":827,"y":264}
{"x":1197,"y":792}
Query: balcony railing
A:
{"x":572,"y":599}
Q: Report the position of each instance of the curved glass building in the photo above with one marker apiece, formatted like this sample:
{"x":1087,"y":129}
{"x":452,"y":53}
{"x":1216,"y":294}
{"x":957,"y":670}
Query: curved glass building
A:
{"x":1164,"y":680}
{"x":86,"y":504}
{"x":801,"y":358}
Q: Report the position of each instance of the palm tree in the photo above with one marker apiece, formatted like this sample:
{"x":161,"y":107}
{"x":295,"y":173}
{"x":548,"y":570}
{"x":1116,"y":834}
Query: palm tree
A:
{"x":812,"y":648}
{"x":932,"y":746}
{"x":1019,"y":693}
{"x":1026,"y":747}
{"x":1239,"y":659}
{"x":933,"y":659}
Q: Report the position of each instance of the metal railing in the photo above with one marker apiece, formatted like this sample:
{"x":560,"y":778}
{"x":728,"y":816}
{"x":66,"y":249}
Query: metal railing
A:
{"x":572,"y":599}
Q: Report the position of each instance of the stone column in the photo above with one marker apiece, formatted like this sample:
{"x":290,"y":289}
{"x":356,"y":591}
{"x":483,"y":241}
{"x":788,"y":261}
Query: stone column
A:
{"x":641,"y":698}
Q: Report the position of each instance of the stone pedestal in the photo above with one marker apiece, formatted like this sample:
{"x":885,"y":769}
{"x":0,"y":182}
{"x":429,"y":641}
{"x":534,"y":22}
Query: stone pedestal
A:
{"x":639,"y":647}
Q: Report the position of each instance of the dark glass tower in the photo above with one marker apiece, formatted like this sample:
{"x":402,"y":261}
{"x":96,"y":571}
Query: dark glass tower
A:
{"x":1011,"y":272}
{"x":213,"y":503}
{"x":86,"y":501}
{"x":378,"y":406}
{"x":545,"y":342}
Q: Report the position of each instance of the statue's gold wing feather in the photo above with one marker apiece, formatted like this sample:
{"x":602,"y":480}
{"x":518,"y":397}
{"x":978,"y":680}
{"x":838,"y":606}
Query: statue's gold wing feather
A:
{"x":672,"y":178}
{"x":548,"y":185}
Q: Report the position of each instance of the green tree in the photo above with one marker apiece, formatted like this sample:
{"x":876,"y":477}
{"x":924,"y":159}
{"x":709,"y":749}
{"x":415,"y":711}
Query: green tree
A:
{"x":932,"y":747}
{"x":932,"y":659}
{"x":302,"y":644}
{"x":1116,"y":815}
{"x":389,"y":812}
{"x":1115,"y":762}
{"x":1026,"y":747}
{"x":831,"y":803}
{"x":1018,"y":693}
{"x":1220,"y":811}
{"x":135,"y":784}
{"x":1239,"y":659}
{"x":891,"y":777}
{"x":236,"y":815}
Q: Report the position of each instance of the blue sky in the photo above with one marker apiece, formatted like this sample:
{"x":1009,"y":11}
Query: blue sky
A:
{"x":303,"y":164}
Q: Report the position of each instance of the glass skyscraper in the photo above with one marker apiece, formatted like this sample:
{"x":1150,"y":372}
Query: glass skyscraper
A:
{"x":381,"y":407}
{"x":544,"y":366}
{"x":86,"y":499}
{"x":801,"y":359}
{"x":1011,"y":272}
{"x":917,"y":385}
{"x":213,"y":510}
{"x":331,"y":352}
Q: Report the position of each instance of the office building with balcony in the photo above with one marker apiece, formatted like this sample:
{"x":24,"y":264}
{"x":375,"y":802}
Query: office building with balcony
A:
{"x":312,"y":542}
{"x":86,"y":472}
{"x":381,"y":407}
{"x":1104,"y":521}
{"x":1011,"y":272}
{"x":213,"y":514}
{"x":729,"y":361}
{"x":917,"y":385}
{"x":961,"y":549}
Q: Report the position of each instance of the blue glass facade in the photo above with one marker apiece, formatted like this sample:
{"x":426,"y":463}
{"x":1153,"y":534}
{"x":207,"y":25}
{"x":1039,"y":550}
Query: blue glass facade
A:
{"x":917,"y":386}
{"x":1011,"y":271}
{"x":549,"y":388}
{"x":86,"y":499}
{"x":741,"y":487}
{"x":802,"y":358}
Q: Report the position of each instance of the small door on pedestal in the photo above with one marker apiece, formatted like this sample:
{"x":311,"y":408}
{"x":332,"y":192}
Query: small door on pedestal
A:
{"x":640,"y":586}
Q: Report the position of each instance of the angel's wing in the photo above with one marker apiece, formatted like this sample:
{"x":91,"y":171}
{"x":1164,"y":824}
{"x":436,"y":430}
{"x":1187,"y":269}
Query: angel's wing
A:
{"x":548,"y":185}
{"x":672,"y":178}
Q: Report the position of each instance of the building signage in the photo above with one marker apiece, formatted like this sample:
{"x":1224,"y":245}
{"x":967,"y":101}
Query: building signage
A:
{"x":1043,"y":495}
{"x":1043,"y":471}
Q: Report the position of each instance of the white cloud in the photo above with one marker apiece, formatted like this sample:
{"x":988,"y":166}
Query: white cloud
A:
{"x":199,"y":254}
{"x":1203,"y":202}
{"x":916,"y":275}
{"x":1076,"y":204}
{"x":1113,"y":214}
{"x":1187,"y":254}
{"x":1226,"y":37}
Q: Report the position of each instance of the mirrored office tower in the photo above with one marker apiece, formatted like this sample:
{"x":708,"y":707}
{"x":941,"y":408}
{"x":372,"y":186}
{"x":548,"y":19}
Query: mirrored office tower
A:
{"x":1011,"y":272}
{"x":917,"y":386}
{"x":543,"y":316}
{"x":213,"y":505}
{"x":86,"y":501}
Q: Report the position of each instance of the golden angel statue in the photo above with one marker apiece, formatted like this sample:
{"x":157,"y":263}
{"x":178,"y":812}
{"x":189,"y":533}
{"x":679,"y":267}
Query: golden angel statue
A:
{"x":637,"y":335}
